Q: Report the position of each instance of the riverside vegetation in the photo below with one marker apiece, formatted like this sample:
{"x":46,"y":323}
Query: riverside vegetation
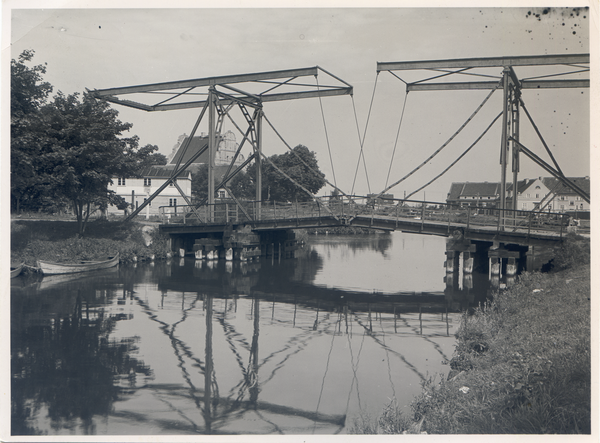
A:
{"x":58,"y":241}
{"x":522,"y":363}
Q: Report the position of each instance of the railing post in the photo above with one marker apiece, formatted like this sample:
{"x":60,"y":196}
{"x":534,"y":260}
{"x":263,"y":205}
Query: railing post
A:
{"x":319,"y":208}
{"x":398,"y":204}
{"x":529,"y":226}
{"x":498,"y":218}
{"x":422,"y":216}
{"x":468,"y":219}
{"x":562,"y":220}
{"x":226,"y":212}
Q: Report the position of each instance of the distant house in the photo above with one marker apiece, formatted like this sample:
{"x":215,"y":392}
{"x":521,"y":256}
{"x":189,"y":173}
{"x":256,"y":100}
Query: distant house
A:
{"x":483,"y":195}
{"x":383,"y":199}
{"x":564,"y":199}
{"x":539,"y":194}
{"x":136,"y":190}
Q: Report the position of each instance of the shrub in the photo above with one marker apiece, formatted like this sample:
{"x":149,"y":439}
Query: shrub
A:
{"x":573,"y":251}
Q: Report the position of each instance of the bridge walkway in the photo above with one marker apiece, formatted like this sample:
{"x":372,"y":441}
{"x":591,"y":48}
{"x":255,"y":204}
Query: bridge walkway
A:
{"x":430,"y":218}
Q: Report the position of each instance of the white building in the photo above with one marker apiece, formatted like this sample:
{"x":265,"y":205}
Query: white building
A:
{"x":137,"y":190}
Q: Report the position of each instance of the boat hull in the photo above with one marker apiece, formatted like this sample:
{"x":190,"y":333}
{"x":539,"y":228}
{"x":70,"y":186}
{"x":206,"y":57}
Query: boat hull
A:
{"x":49,"y":268}
{"x":14,"y":272}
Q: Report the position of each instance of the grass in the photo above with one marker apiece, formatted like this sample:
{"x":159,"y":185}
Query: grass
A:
{"x":522,"y":363}
{"x":58,"y":241}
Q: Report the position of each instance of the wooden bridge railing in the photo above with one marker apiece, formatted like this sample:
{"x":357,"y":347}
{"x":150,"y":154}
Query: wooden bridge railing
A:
{"x":345,"y":210}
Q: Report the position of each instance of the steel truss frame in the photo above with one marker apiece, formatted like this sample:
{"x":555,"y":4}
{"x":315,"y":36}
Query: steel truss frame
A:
{"x":512,"y":101}
{"x":218,"y":95}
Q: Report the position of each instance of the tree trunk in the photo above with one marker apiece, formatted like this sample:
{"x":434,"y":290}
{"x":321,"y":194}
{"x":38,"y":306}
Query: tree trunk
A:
{"x":87,"y":216}
{"x":78,"y":208}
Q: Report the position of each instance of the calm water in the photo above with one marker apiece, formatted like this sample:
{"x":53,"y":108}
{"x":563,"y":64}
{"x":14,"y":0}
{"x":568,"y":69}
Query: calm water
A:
{"x":297,"y":346}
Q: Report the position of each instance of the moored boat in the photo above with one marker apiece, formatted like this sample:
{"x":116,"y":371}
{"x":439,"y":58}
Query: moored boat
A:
{"x":50,"y":268}
{"x":14,"y":272}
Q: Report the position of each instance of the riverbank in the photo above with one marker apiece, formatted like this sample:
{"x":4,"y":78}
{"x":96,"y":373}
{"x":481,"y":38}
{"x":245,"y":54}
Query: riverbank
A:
{"x":522,"y":363}
{"x":58,"y":241}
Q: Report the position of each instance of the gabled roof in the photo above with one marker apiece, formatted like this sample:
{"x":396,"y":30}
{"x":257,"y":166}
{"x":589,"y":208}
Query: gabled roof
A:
{"x":559,"y":188}
{"x":521,"y":185}
{"x":196,"y":144}
{"x":468,"y":189}
{"x":162,"y":171}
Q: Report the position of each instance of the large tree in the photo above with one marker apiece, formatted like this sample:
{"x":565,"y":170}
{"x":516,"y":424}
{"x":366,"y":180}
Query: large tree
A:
{"x":87,"y":147}
{"x":28,"y":93}
{"x":66,"y":151}
{"x":299,"y":164}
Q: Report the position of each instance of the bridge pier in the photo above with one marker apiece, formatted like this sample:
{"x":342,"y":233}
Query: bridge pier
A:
{"x":242,"y":244}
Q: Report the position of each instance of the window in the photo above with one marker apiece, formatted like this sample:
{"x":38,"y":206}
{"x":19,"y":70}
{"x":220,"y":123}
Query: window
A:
{"x":572,"y":203}
{"x":537,"y":195}
{"x":528,"y":195}
{"x":562,"y":207}
{"x":221,"y":194}
{"x":149,"y":204}
{"x":172,"y":202}
{"x":147,"y":182}
{"x":120,"y":181}
{"x":524,"y":206}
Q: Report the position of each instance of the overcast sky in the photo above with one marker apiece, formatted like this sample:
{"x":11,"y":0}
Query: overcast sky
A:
{"x":103,"y":48}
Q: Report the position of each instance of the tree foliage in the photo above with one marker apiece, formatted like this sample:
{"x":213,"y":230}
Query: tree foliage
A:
{"x":300,"y":164}
{"x":66,"y":151}
{"x":28,"y":93}
{"x":87,"y":150}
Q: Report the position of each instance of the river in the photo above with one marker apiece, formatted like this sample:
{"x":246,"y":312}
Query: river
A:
{"x":294,"y":346}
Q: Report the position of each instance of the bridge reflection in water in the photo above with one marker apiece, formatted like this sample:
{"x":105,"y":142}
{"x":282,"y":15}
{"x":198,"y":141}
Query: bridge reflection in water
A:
{"x":224,"y":348}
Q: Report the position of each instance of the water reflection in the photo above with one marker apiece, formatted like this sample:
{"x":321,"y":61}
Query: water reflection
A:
{"x":64,"y":363}
{"x":189,"y":347}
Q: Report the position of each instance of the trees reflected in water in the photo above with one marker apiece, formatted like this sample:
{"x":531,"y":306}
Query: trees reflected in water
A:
{"x":63,"y":363}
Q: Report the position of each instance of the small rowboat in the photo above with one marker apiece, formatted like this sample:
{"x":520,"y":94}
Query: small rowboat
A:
{"x":14,"y":272}
{"x":49,"y":268}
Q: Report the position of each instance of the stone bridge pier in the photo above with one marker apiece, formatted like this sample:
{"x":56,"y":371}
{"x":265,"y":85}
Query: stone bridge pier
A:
{"x":498,"y":260}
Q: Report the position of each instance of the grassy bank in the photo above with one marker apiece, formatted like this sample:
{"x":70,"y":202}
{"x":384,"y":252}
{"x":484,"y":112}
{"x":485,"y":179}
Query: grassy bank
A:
{"x":522,"y":363}
{"x":58,"y":241}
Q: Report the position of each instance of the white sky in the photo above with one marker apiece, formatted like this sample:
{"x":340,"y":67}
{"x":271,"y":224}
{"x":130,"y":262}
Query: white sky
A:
{"x":103,"y":48}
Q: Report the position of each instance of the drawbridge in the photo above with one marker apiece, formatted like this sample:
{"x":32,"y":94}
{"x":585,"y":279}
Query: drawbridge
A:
{"x":241,"y":100}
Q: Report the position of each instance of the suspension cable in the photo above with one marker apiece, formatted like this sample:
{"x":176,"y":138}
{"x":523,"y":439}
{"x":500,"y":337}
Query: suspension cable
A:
{"x":457,"y":160}
{"x":397,"y":136}
{"x":314,"y":197}
{"x":362,"y":142}
{"x":317,"y":173}
{"x":444,"y":145}
{"x":540,"y":135}
{"x":326,"y":134}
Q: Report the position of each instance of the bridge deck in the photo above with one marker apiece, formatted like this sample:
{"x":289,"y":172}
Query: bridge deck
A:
{"x":518,"y":227}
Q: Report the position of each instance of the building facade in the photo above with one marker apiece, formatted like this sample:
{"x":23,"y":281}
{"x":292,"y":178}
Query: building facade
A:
{"x":546,"y":194}
{"x":137,"y":190}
